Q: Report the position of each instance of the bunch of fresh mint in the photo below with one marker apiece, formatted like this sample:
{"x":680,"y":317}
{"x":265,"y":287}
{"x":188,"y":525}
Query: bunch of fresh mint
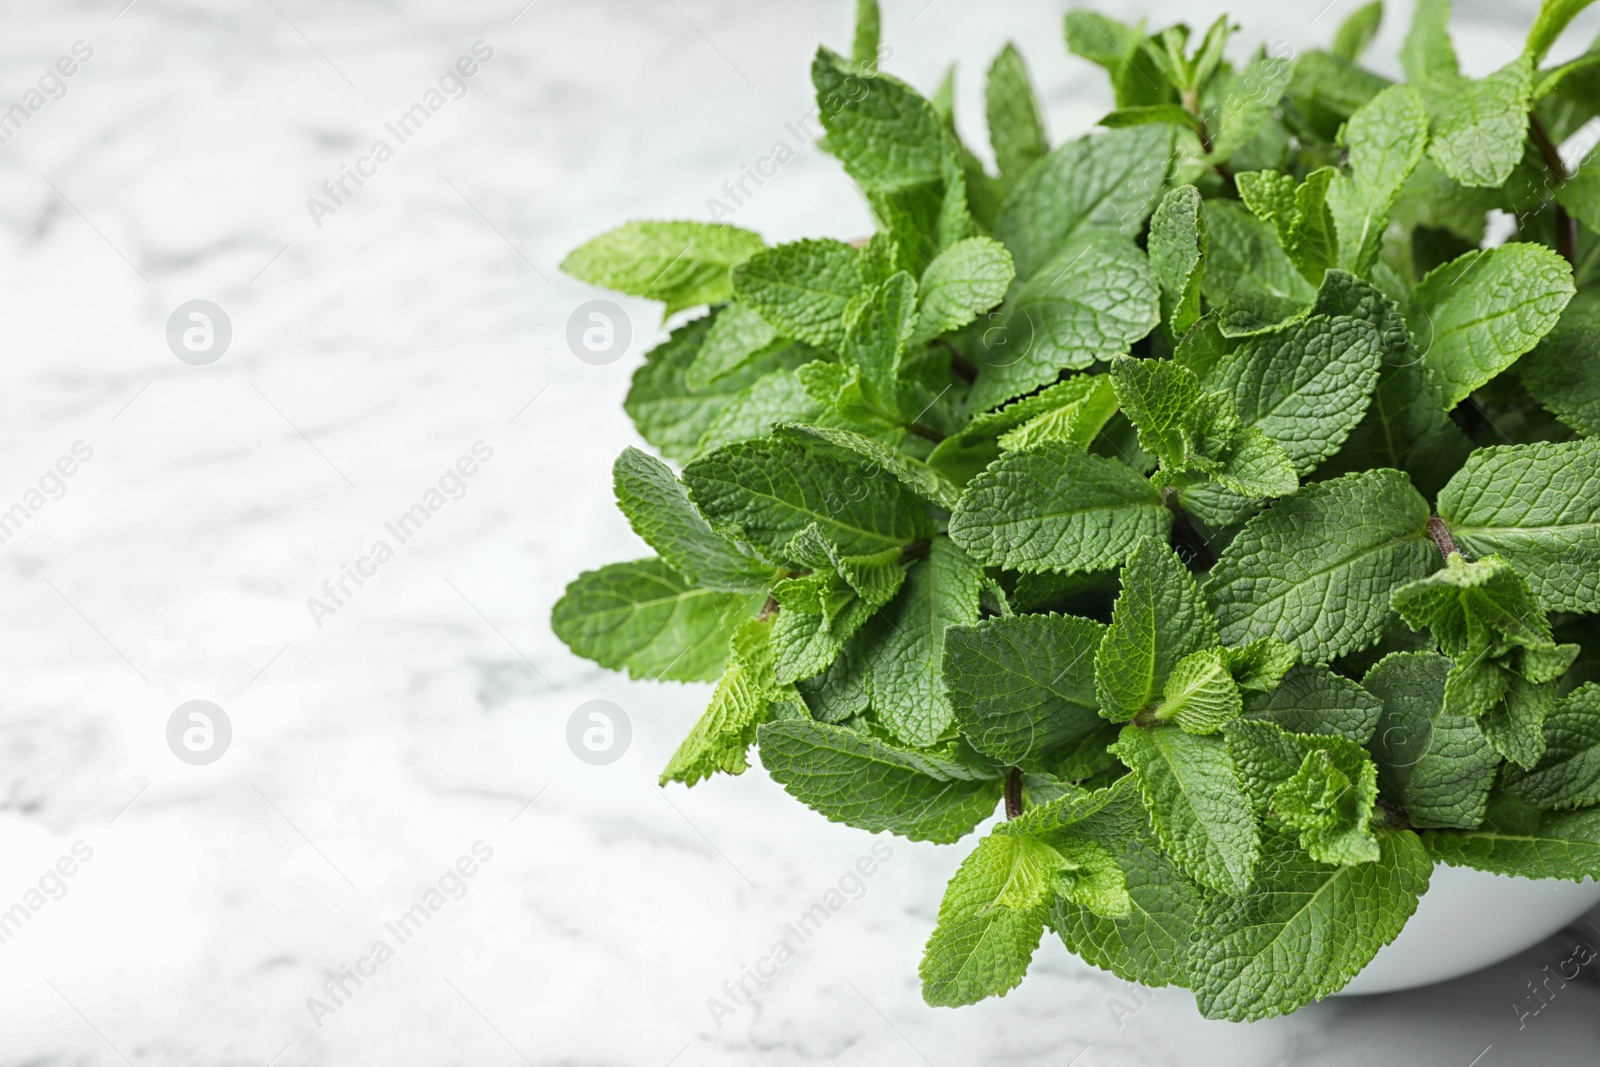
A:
{"x":1210,"y":490}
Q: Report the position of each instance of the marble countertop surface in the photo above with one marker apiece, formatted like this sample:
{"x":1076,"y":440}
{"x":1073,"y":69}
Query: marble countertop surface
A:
{"x":406,"y":742}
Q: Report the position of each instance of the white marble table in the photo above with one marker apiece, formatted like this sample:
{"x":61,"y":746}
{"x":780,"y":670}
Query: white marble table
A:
{"x":378,"y":745}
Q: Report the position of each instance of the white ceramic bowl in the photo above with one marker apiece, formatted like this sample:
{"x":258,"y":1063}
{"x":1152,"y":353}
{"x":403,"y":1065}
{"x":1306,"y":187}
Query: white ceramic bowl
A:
{"x":1468,"y":920}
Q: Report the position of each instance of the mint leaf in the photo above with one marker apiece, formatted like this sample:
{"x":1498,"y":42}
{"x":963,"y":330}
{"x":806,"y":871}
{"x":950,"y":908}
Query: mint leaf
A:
{"x":1136,"y":78}
{"x":1428,"y":54}
{"x":1312,"y":699}
{"x":1057,"y":509}
{"x":724,"y":734}
{"x":1569,"y":774}
{"x":1538,"y":506}
{"x":871,"y":784}
{"x":773,"y":398}
{"x":1088,"y":304}
{"x":1160,"y":618}
{"x":1330,"y":921}
{"x":912,"y":473}
{"x":1024,"y":685}
{"x":1247,"y":110}
{"x":1298,"y":211}
{"x":1438,"y":766}
{"x":1179,"y":243}
{"x":864,"y":46}
{"x":1563,"y":373}
{"x":1330,"y":802}
{"x":1357,"y":31}
{"x":1247,"y":260}
{"x":990,"y":921}
{"x":1554,"y":16}
{"x":1480,"y":127}
{"x":643,"y":617}
{"x":1016,"y":125}
{"x":1315,"y":569}
{"x":905,"y":666}
{"x":737,"y":334}
{"x":1104,"y":182}
{"x":1565,"y":845}
{"x":877,"y":330}
{"x":964,"y":280}
{"x":1196,"y":802}
{"x":888,"y":137}
{"x":1260,"y":665}
{"x":765,"y":492}
{"x":1474,"y":316}
{"x":1077,"y":422}
{"x":658,"y":508}
{"x":684,"y":264}
{"x":1200,"y":695}
{"x":803,"y":288}
{"x":1385,"y":140}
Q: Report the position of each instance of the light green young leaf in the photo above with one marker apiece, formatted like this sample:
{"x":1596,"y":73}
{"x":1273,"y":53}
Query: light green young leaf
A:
{"x":727,"y":729}
{"x":1298,"y":212}
{"x":658,"y":508}
{"x":877,"y":329}
{"x":644,"y":618}
{"x":905,"y":666}
{"x":1315,"y":569}
{"x":1088,"y":304}
{"x":1200,"y":695}
{"x":1357,"y":31}
{"x":1385,"y":141}
{"x":1554,"y":16}
{"x":1016,"y":123}
{"x":887,"y":136}
{"x":1428,"y":54}
{"x":870,"y":784}
{"x":1105,"y":182}
{"x":1057,"y":508}
{"x":1196,"y":803}
{"x":1538,"y":506}
{"x":1312,"y":699}
{"x":964,"y":280}
{"x":803,"y":288}
{"x":1179,"y":243}
{"x":1480,"y":127}
{"x":1309,"y":929}
{"x":764,"y":492}
{"x":684,"y":264}
{"x":990,"y":921}
{"x":1076,"y":423}
{"x":1159,"y":619}
{"x":864,"y":46}
{"x":1136,"y":79}
{"x":1260,"y":666}
{"x":1437,"y":766}
{"x":1569,"y":775}
{"x":1330,"y":803}
{"x":1024,"y":685}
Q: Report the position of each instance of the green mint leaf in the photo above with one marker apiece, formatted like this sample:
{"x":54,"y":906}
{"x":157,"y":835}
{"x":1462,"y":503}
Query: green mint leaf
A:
{"x":1298,"y":212}
{"x":1569,"y":774}
{"x":1105,"y":182}
{"x":1565,"y":846}
{"x":1474,"y":316}
{"x":803,"y":288}
{"x":1196,"y":802}
{"x":1554,"y":16}
{"x":1384,"y":140}
{"x":658,"y":508}
{"x":912,"y":473}
{"x":887,"y":136}
{"x":1179,"y":244}
{"x":1428,"y":54}
{"x":1136,"y":79}
{"x":684,"y":264}
{"x":737,"y":335}
{"x":864,"y":46}
{"x":1315,"y":569}
{"x":990,"y":921}
{"x":1407,"y":427}
{"x":1057,"y":509}
{"x":1246,"y":110}
{"x":1246,"y":260}
{"x":1160,"y":618}
{"x":1330,"y":803}
{"x":1088,"y":304}
{"x":1016,"y":121}
{"x":905,"y":666}
{"x":1438,"y":766}
{"x":1563,"y":373}
{"x":1312,"y":699}
{"x":1023,"y":686}
{"x":643,"y":617}
{"x":764,"y":492}
{"x":1327,"y":89}
{"x":840,"y":692}
{"x":1480,"y":127}
{"x":674,"y":417}
{"x":1330,"y":921}
{"x":964,"y":280}
{"x":727,"y":729}
{"x":774,"y":398}
{"x":871,"y":784}
{"x":876,"y":332}
{"x":1357,"y":31}
{"x":1580,"y":194}
{"x":1260,"y":666}
{"x":1123,"y":117}
{"x":1200,"y":695}
{"x":840,"y":397}
{"x":1077,"y":422}
{"x":1538,"y":506}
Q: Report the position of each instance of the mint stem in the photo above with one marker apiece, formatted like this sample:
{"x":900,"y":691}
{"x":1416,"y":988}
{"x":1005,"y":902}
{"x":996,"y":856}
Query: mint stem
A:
{"x":1014,"y":793}
{"x":1441,"y":536}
